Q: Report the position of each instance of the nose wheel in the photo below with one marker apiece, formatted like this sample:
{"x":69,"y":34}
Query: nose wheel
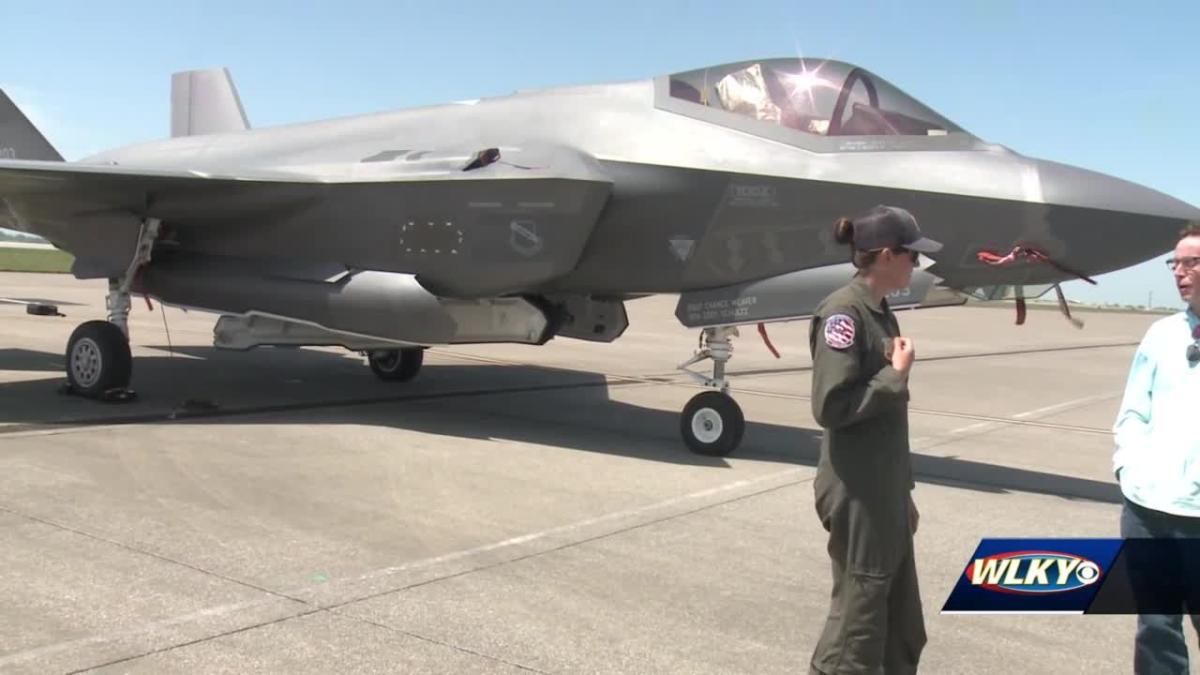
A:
{"x":712,"y":423}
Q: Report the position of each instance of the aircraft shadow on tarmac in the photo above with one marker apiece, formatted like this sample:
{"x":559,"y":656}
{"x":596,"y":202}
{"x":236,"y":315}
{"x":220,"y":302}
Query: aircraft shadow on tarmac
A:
{"x":525,"y":404}
{"x":29,"y":360}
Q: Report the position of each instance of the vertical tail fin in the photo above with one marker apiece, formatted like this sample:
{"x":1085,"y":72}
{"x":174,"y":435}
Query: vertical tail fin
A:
{"x":205,"y":102}
{"x":19,"y":139}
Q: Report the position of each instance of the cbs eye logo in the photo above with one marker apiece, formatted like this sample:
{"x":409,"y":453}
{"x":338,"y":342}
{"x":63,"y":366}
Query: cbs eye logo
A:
{"x":1088,"y":572}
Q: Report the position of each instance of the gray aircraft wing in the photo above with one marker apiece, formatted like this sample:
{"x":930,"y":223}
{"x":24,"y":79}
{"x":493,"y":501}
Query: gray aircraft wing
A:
{"x":440,"y":217}
{"x":64,"y":188}
{"x":151,"y":191}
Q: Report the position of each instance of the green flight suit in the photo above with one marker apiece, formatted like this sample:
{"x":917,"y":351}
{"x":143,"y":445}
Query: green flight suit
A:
{"x":863,"y":485}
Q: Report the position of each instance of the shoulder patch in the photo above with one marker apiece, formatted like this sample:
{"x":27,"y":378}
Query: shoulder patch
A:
{"x":839,"y":331}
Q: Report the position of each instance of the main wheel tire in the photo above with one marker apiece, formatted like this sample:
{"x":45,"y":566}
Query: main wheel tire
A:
{"x":98,"y":359}
{"x":712,"y":424}
{"x":396,"y":365}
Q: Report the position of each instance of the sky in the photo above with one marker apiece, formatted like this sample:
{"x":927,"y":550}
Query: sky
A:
{"x":1109,"y":86}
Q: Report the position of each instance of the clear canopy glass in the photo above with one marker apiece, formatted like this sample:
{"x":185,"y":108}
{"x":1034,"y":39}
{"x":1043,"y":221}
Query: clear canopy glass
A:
{"x":826,"y":98}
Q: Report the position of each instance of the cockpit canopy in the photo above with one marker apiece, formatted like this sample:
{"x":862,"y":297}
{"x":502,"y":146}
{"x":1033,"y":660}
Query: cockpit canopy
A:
{"x":815,"y":96}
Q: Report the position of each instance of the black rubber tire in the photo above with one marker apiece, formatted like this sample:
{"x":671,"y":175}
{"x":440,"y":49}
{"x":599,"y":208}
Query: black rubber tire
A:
{"x":396,"y":365}
{"x":727,"y":413}
{"x":98,"y":359}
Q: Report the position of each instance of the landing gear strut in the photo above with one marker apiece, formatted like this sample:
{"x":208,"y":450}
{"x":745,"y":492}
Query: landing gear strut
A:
{"x":712,"y":422}
{"x":99,"y":363}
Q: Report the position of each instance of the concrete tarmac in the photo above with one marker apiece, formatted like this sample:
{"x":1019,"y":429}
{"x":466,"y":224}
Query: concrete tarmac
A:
{"x":516,"y":509}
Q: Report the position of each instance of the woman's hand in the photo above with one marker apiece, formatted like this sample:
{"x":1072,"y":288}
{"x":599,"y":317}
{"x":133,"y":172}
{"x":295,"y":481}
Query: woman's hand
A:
{"x":903,"y":354}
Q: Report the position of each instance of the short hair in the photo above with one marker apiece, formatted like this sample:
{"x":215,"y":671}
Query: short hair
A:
{"x":1192,"y":230}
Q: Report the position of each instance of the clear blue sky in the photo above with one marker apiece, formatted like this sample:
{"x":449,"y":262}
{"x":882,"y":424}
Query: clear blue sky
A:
{"x":1110,"y":86}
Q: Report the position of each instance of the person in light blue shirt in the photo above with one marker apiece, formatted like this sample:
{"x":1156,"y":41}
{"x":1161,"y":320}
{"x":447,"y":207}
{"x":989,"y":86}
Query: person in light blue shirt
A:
{"x":1157,"y":459}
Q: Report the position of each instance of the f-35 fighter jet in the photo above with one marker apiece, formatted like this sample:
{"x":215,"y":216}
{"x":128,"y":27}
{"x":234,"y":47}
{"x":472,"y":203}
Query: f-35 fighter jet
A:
{"x":525,"y":217}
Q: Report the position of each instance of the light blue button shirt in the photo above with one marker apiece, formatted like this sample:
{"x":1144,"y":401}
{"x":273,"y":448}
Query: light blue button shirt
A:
{"x":1157,"y":431}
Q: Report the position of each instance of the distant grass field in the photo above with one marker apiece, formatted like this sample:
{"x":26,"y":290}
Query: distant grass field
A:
{"x":34,"y":260}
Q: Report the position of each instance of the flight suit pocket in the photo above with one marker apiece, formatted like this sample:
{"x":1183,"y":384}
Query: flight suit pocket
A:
{"x":829,"y":498}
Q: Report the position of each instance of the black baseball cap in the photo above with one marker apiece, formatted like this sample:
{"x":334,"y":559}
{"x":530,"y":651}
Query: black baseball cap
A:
{"x":890,"y":227}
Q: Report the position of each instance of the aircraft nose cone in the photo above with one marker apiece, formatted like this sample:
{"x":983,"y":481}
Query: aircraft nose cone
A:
{"x":1064,"y":185}
{"x":1106,"y":223}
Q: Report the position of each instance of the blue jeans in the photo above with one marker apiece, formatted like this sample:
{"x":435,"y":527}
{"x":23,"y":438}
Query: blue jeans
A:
{"x":1159,"y":648}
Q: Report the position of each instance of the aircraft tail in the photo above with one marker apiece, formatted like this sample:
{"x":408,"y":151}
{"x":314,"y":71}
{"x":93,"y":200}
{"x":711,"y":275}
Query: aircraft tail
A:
{"x":205,"y":102}
{"x":19,"y":139}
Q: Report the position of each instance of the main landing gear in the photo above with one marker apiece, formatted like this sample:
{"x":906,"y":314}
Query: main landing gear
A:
{"x":396,"y":365}
{"x":712,"y":422}
{"x":99,"y":363}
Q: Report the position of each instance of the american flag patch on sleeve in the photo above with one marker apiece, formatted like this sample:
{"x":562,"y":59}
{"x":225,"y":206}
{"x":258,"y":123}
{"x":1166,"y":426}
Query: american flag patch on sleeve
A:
{"x":839,"y":331}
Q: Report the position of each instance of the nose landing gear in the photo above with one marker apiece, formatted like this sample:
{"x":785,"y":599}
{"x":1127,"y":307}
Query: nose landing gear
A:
{"x":712,"y":423}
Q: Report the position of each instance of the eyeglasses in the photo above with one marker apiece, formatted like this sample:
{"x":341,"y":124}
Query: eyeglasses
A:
{"x":915,"y":256}
{"x":1186,"y":262}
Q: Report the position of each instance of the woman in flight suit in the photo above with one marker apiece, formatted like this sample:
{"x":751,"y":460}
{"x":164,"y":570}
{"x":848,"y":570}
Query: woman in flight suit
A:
{"x":864,"y":477}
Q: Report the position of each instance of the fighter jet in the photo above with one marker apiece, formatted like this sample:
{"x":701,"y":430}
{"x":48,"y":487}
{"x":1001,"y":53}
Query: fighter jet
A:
{"x":537,"y":215}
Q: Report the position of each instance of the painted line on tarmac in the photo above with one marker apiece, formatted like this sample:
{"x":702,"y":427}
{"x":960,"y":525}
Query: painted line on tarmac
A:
{"x":1067,"y":405}
{"x":588,"y":530}
{"x":1021,"y":418}
{"x":981,"y":419}
{"x":281,"y":606}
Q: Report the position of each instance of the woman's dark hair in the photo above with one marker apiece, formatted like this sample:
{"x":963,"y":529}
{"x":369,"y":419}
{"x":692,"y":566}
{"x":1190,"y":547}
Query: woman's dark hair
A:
{"x":843,"y":233}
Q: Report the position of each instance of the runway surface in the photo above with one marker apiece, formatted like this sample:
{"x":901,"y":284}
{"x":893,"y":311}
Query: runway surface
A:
{"x":515,"y":509}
